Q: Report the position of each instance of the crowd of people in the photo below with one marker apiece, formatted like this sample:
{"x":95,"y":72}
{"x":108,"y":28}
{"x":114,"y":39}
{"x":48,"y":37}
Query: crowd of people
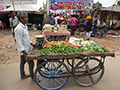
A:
{"x":75,"y":22}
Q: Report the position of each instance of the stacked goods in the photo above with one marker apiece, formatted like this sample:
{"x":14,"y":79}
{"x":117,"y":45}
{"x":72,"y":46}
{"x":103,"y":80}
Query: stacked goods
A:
{"x":77,"y":41}
{"x":62,"y":29}
{"x":88,"y":45}
{"x":48,"y":28}
{"x":59,"y":43}
{"x":62,"y":47}
{"x":92,"y":47}
{"x":59,"y":47}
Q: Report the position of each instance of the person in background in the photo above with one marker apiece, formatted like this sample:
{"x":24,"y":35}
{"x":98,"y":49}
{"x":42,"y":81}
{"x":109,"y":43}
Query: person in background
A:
{"x":95,"y":27}
{"x":88,"y":27}
{"x":13,"y":22}
{"x":73,"y":22}
{"x":51,"y":20}
{"x":55,"y":17}
{"x":23,"y":44}
{"x":77,"y":26}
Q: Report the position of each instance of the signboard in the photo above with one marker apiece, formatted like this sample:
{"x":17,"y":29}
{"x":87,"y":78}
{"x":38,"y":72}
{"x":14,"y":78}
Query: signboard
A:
{"x":18,"y":1}
{"x":71,"y":4}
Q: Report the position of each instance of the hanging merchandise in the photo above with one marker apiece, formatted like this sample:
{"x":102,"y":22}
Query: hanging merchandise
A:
{"x":74,"y":12}
{"x":78,"y":13}
{"x":88,"y":12}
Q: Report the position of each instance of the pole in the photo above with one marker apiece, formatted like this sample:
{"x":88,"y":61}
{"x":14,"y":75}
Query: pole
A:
{"x":112,"y":8}
{"x":13,"y":5}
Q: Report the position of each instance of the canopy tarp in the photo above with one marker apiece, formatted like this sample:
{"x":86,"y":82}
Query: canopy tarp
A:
{"x":27,"y":8}
{"x":114,"y":8}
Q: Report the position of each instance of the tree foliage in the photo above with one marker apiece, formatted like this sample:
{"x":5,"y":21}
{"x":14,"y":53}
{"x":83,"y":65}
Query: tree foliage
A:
{"x":97,"y":4}
{"x":42,"y":9}
{"x":8,"y":6}
{"x":118,"y":3}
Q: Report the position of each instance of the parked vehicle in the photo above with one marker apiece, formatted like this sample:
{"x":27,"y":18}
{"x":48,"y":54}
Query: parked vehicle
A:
{"x":101,"y":31}
{"x":39,"y":26}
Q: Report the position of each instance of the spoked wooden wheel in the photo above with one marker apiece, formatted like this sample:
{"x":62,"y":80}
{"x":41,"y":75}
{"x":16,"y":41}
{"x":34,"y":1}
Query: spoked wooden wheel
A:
{"x":51,"y":75}
{"x":88,"y":73}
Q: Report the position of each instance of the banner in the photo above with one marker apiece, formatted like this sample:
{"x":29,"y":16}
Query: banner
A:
{"x":18,"y":2}
{"x":71,"y":4}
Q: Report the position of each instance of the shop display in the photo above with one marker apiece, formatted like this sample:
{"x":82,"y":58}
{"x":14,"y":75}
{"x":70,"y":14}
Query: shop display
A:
{"x":48,"y":28}
{"x":62,"y":29}
{"x":62,"y":47}
{"x":55,"y":28}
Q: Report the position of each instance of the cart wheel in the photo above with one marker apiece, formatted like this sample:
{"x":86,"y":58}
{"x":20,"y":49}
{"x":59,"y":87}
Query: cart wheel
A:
{"x":76,"y":61}
{"x":51,"y":76}
{"x":88,"y":73}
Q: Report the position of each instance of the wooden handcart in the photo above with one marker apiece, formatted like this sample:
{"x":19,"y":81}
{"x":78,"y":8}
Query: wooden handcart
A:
{"x":53,"y":71}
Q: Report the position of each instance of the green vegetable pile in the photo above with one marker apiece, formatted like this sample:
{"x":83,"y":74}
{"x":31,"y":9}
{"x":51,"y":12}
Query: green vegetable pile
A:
{"x":65,"y":49}
{"x":94,"y":47}
{"x":78,"y":42}
{"x":62,"y":49}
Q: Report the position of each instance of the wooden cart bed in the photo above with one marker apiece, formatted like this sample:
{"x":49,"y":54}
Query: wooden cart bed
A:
{"x":35,"y":54}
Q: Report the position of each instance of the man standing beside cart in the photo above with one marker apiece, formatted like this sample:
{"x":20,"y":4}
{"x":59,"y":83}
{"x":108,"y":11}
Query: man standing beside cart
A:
{"x":23,"y":44}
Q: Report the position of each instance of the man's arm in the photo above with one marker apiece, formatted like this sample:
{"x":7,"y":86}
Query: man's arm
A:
{"x":11,"y":23}
{"x":24,"y":53}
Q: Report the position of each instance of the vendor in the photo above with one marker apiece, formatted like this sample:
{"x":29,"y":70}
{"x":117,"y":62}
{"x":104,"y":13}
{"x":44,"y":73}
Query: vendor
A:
{"x":51,"y":20}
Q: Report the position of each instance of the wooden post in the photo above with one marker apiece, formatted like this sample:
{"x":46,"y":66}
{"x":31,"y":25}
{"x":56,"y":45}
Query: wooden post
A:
{"x":13,"y":5}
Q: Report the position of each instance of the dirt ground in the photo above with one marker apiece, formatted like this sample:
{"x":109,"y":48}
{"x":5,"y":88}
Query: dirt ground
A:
{"x":8,"y":48}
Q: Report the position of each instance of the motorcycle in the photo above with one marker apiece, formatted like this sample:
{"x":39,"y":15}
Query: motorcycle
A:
{"x":39,"y":26}
{"x":101,"y":31}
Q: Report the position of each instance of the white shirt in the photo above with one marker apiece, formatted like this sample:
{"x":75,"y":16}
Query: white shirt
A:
{"x":55,"y":20}
{"x":22,"y":38}
{"x":13,"y":22}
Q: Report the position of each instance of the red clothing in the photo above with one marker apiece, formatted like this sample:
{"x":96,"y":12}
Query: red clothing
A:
{"x":77,"y":26}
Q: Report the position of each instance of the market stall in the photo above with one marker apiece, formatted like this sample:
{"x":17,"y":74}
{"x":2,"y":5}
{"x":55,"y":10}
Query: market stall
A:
{"x":109,"y":16}
{"x":60,"y":60}
{"x":54,"y":33}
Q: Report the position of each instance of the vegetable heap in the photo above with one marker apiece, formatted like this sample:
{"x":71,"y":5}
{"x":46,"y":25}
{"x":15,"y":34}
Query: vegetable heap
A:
{"x":93,"y":47}
{"x":77,"y":42}
{"x":59,"y":47}
{"x":59,"y":43}
{"x":62,"y":47}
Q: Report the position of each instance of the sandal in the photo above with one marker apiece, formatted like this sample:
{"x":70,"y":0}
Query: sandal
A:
{"x":26,"y":76}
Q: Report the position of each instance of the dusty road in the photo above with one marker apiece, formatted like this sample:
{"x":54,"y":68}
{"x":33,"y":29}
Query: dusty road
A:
{"x":10,"y":78}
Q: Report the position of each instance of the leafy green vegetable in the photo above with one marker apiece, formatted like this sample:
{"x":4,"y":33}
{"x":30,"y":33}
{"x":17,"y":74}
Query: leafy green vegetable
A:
{"x":94,"y":47}
{"x":62,"y":49}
